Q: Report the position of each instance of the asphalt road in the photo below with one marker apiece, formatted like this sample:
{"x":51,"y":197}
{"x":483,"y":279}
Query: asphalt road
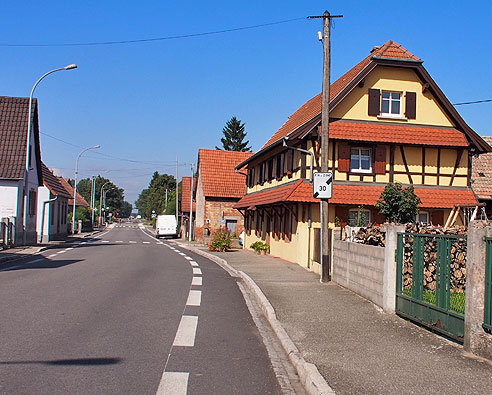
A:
{"x":124,"y":313}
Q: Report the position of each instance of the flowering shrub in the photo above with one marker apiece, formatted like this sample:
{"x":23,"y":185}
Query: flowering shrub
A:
{"x":221,"y":241}
{"x":259,"y":246}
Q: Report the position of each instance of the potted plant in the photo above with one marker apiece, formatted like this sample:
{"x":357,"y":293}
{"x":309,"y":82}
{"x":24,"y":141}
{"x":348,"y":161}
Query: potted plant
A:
{"x":260,"y":247}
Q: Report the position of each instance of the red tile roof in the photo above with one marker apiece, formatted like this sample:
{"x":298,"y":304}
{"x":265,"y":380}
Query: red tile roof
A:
{"x":397,"y":133}
{"x":13,"y":137}
{"x":482,"y":174}
{"x":348,"y":194}
{"x":312,"y":107}
{"x":53,"y":183}
{"x":216,"y":169}
{"x":80,"y":199}
{"x":185,"y":194}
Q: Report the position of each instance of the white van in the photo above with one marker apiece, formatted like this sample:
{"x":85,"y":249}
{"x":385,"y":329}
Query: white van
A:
{"x":166,"y":225}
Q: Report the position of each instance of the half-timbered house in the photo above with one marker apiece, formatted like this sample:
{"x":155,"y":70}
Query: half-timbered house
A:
{"x":389,"y":122}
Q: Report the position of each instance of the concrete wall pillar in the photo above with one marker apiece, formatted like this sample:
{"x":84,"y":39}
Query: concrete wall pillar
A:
{"x":476,"y":340}
{"x":389,"y":272}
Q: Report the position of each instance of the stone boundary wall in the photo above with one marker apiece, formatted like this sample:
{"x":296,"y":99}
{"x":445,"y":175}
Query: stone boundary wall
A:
{"x":360,"y":268}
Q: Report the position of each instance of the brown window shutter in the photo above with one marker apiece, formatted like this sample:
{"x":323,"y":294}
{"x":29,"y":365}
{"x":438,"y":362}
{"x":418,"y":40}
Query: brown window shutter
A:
{"x":290,"y":161}
{"x":374,"y":102}
{"x":341,"y":214}
{"x":343,"y":157}
{"x":380,"y":160}
{"x":437,"y":217}
{"x":411,"y":105}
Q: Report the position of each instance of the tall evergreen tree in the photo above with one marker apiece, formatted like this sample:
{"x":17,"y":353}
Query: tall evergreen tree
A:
{"x":234,"y":135}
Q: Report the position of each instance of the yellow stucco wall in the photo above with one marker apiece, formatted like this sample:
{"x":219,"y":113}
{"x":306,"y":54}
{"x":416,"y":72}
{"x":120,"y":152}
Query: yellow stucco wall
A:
{"x":394,"y":79}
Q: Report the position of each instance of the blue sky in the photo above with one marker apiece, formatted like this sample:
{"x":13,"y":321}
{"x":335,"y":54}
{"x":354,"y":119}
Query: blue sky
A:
{"x":150,"y":102}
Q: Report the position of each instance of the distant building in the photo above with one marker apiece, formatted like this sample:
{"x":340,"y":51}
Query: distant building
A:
{"x":53,"y":201}
{"x":482,"y":179}
{"x":219,"y":187}
{"x":13,"y":178}
{"x":81,"y":202}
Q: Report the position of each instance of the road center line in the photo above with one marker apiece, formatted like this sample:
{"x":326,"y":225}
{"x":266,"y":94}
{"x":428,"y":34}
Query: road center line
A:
{"x":185,"y":336}
{"x":173,"y":383}
{"x":105,"y":241}
{"x":146,"y":242}
{"x":36,"y":260}
{"x":187,"y":257}
{"x":133,"y":242}
{"x":182,"y":253}
{"x":52,"y":256}
{"x":193,"y":263}
{"x":197,"y":270}
{"x":119,"y":241}
{"x":194,"y":298}
{"x":196,"y":281}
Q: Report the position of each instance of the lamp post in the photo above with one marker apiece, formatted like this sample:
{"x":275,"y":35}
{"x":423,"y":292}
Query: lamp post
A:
{"x":75,"y":184}
{"x":28,"y":141}
{"x":100,"y":201}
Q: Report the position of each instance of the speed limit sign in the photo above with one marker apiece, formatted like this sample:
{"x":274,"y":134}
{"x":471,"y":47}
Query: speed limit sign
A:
{"x":323,"y":185}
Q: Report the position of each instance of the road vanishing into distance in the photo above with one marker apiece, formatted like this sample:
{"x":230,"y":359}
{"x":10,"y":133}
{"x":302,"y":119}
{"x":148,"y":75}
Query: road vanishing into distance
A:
{"x":125,"y":313}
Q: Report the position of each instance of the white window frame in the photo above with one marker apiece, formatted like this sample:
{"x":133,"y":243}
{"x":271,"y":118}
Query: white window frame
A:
{"x":421,"y":213}
{"x":359,"y":170}
{"x":390,"y":114}
{"x":357,"y":211}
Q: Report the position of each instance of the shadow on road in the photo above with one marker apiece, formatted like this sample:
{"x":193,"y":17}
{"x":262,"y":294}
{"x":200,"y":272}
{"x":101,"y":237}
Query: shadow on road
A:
{"x":68,"y":362}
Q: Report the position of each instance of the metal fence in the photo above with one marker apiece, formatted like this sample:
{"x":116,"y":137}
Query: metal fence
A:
{"x":487,"y":319}
{"x":431,"y":280}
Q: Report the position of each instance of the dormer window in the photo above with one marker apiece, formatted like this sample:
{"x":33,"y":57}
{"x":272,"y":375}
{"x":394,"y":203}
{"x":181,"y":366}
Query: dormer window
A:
{"x":391,"y":104}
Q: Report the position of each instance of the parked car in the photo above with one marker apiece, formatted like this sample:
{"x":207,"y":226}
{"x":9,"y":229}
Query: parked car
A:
{"x":241,"y":238}
{"x":166,"y":225}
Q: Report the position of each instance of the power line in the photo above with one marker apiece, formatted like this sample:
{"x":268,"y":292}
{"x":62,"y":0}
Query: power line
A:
{"x":107,"y":156}
{"x":473,"y":102}
{"x":136,"y":41}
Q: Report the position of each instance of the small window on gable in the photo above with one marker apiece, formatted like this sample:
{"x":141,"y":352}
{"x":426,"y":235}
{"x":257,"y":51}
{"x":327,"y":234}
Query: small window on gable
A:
{"x":360,"y":160}
{"x":391,"y":104}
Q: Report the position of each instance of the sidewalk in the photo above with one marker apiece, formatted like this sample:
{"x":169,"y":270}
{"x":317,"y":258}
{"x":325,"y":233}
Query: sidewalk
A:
{"x":19,"y":252}
{"x":356,"y":347}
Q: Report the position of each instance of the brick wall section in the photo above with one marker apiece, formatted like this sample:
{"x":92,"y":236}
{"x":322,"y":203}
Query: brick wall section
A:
{"x":215,"y":210}
{"x":359,"y":268}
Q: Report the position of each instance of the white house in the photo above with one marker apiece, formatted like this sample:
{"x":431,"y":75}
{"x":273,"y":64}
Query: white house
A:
{"x":53,"y":203}
{"x":15,"y":182}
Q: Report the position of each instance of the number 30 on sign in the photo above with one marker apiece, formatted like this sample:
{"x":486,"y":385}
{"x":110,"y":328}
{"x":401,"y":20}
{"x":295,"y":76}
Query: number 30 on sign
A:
{"x":323,"y":185}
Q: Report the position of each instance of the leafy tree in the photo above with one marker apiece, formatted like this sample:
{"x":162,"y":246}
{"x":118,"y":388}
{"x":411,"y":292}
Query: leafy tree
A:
{"x":234,"y":135}
{"x":153,"y":198}
{"x":114,"y":195}
{"x":125,"y":210}
{"x":398,"y":204}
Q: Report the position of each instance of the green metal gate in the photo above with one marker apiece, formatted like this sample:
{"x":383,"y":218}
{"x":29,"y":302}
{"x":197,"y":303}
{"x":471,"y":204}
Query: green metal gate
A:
{"x":487,"y":319}
{"x":430,"y":285}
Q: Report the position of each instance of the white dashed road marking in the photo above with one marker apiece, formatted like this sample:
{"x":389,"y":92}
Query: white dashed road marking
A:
{"x":37,"y":260}
{"x":194,"y":298}
{"x":105,"y":241}
{"x":181,"y":253}
{"x":196,"y":281}
{"x":133,"y":242}
{"x":185,"y":336}
{"x":9,"y":268}
{"x":61,"y":252}
{"x":187,"y":257}
{"x":52,"y":256}
{"x":197,"y":270}
{"x":193,"y":263}
{"x":146,"y":242}
{"x":173,"y":383}
{"x":119,"y":241}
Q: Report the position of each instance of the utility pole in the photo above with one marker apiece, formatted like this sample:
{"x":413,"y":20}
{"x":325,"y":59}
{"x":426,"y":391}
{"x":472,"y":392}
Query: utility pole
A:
{"x":176,"y":190}
{"x":325,"y":134}
{"x":191,"y":201}
{"x":165,"y":207}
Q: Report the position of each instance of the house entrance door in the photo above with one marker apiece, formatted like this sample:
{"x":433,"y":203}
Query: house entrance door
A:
{"x":231,"y":225}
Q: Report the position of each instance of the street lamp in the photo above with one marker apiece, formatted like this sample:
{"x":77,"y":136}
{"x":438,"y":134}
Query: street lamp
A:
{"x":75,"y":184}
{"x":100,"y":202}
{"x":28,"y":140}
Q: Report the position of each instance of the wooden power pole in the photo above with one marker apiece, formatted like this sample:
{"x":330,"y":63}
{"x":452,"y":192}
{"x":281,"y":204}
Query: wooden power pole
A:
{"x":325,"y":135}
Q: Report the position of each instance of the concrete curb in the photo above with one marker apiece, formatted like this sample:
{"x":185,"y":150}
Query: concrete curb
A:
{"x":311,"y":379}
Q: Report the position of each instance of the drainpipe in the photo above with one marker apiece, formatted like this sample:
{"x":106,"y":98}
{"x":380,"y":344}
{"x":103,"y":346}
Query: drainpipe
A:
{"x":42,"y":218}
{"x":305,"y":151}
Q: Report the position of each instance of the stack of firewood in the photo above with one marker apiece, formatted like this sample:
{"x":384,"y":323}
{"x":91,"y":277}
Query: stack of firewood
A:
{"x":371,"y":235}
{"x":457,"y":269}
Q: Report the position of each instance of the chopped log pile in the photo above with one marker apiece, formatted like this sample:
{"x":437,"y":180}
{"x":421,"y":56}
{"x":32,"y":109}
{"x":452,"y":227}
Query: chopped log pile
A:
{"x":457,"y":258}
{"x":375,"y":235}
